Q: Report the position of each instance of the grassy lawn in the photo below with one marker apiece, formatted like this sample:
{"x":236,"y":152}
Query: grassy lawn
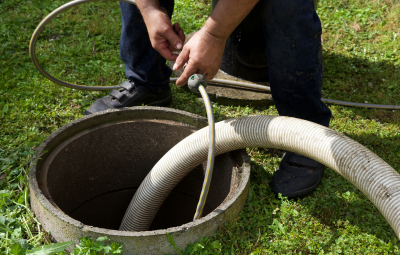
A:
{"x":361,"y":43}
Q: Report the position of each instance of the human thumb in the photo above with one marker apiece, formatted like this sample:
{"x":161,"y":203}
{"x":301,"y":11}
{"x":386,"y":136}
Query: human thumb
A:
{"x":174,"y":39}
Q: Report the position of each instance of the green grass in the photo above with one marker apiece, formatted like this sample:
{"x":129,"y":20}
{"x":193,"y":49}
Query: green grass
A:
{"x":362,"y":63}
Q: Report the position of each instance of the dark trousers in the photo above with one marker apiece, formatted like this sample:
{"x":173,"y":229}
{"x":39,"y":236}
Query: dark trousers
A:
{"x":292,"y":30}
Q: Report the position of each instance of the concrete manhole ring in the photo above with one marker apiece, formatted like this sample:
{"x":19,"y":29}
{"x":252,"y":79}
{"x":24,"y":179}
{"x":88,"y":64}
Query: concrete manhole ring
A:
{"x":89,"y":169}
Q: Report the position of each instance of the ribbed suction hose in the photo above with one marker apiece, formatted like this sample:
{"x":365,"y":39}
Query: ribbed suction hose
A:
{"x":369,"y":173}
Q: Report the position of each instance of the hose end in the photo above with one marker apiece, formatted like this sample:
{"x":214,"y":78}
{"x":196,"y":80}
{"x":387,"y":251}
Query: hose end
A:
{"x":195,"y":81}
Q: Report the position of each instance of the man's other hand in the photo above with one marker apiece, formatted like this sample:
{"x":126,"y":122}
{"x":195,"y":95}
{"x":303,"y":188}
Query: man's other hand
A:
{"x":203,"y":53}
{"x":165,"y":37}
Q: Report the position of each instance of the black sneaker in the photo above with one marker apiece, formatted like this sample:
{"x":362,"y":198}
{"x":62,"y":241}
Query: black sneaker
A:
{"x":296,"y":176}
{"x":131,"y":95}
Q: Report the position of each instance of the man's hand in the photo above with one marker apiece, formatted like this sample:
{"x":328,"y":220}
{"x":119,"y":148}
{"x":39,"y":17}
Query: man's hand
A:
{"x":204,"y":50}
{"x":203,"y":53}
{"x":164,"y":37}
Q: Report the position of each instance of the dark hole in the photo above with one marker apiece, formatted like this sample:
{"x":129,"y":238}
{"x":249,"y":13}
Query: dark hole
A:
{"x":107,"y":164}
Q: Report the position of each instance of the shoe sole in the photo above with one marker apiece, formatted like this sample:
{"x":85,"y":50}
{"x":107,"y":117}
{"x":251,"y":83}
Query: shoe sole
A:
{"x":300,"y":193}
{"x":164,"y":103}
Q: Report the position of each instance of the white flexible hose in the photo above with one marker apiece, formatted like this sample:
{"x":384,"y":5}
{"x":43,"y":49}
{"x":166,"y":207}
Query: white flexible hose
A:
{"x":211,"y":153}
{"x":369,"y":173}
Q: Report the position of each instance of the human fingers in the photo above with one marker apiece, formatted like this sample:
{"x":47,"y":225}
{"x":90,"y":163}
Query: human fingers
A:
{"x":173,"y":38}
{"x":179,"y":31}
{"x":189,"y":70}
{"x":182,"y":59}
{"x":212,"y":75}
{"x":208,"y":76}
{"x":208,"y":72}
{"x":164,"y":51}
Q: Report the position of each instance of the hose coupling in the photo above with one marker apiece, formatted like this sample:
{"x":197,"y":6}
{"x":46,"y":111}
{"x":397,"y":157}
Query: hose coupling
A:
{"x":195,"y":81}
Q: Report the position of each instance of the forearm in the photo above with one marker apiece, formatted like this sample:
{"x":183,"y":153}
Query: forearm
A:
{"x":227,"y":15}
{"x":147,"y":6}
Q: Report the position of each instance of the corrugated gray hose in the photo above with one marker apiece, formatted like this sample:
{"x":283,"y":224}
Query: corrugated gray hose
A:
{"x":369,"y":173}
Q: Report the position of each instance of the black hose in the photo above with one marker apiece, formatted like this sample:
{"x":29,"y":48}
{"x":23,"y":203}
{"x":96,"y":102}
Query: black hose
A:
{"x":328,"y":101}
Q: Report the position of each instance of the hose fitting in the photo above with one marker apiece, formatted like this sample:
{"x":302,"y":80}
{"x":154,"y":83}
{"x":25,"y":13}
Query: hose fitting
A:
{"x":195,"y":81}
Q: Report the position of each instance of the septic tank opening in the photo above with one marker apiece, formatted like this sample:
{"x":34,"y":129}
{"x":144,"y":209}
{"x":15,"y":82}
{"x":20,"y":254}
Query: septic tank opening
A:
{"x":93,"y":175}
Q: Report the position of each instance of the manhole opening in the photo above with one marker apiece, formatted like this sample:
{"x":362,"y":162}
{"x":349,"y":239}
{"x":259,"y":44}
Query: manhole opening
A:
{"x":93,"y":176}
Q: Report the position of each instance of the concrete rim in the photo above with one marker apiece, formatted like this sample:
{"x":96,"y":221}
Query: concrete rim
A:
{"x":200,"y":122}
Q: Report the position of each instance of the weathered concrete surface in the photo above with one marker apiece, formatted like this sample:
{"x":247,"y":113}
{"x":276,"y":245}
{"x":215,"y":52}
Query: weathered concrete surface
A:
{"x":63,"y":227}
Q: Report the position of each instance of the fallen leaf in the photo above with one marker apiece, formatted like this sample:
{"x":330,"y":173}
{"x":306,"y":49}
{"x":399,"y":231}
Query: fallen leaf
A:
{"x":355,"y":26}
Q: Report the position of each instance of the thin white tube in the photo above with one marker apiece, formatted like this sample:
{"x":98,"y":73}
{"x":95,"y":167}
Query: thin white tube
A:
{"x":369,"y":173}
{"x":211,"y":154}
